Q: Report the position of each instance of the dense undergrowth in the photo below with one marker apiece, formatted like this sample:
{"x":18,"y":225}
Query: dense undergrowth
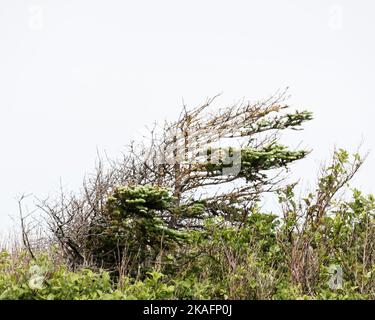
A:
{"x":263,"y":257}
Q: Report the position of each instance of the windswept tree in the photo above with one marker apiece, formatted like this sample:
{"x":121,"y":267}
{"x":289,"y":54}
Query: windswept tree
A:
{"x":219,"y":156}
{"x":210,"y":162}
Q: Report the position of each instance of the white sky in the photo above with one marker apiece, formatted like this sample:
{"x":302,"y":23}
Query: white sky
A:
{"x":79,"y":75}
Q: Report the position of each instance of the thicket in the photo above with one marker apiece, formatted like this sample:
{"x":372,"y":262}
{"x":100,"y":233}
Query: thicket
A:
{"x":159,"y":225}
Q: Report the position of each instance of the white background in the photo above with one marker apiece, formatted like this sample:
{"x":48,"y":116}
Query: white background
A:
{"x":77,"y":76}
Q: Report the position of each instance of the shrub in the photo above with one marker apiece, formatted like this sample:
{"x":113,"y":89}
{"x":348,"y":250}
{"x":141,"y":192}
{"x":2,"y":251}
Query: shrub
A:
{"x":131,"y":234}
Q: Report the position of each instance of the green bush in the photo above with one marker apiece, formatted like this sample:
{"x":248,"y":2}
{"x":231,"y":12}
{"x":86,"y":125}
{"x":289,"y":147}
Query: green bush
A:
{"x":21,"y":278}
{"x":132,"y":229}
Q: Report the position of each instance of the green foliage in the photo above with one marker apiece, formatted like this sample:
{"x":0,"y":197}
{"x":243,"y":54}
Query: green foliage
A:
{"x":248,"y":260}
{"x":133,"y":228}
{"x":245,"y":254}
{"x":23,"y":279}
{"x":287,"y":121}
{"x":57,"y":283}
{"x":255,"y":162}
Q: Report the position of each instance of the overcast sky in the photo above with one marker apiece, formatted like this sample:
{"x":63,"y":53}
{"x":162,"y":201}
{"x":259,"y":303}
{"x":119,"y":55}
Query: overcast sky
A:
{"x":82,"y":75}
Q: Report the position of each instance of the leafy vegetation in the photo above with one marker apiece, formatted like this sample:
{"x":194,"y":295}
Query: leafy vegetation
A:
{"x":254,"y":260}
{"x":145,"y":231}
